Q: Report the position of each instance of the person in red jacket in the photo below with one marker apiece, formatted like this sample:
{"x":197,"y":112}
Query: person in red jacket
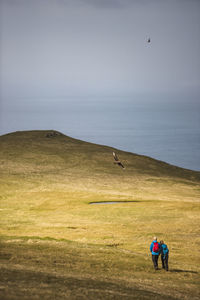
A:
{"x":155,"y":251}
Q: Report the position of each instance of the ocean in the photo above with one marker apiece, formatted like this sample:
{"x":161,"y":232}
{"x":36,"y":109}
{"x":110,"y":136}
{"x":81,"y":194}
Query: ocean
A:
{"x":167,"y":131}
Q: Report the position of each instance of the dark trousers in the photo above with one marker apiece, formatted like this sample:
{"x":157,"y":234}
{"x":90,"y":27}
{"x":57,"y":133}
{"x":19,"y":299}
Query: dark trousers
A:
{"x":155,"y":261}
{"x":164,"y":259}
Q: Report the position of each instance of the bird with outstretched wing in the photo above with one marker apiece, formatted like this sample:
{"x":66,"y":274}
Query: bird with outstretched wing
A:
{"x":117,"y":161}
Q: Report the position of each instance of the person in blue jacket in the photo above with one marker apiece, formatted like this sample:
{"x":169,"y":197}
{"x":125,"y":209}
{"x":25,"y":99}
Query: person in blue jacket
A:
{"x":155,"y":251}
{"x":164,"y":255}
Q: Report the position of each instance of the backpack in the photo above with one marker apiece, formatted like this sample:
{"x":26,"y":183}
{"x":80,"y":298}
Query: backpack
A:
{"x":156,"y":247}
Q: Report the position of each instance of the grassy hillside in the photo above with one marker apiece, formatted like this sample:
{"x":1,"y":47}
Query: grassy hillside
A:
{"x":54,"y":244}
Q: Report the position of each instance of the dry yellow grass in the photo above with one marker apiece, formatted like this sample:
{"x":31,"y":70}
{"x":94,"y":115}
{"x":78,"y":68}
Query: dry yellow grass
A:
{"x":49,"y":229}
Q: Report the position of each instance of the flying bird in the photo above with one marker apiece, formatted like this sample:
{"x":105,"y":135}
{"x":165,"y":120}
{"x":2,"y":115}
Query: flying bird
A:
{"x":117,"y":161}
{"x":149,"y":40}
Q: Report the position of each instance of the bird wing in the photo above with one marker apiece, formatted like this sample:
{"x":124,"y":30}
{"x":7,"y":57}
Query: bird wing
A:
{"x":121,"y":165}
{"x":115,"y":156}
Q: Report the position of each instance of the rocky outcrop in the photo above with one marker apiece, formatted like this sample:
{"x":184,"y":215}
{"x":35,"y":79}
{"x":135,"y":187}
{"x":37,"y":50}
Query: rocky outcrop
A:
{"x":53,"y":134}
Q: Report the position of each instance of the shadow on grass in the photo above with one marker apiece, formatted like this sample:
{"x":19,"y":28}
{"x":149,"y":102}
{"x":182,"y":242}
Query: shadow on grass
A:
{"x":23,"y":284}
{"x":182,"y":271}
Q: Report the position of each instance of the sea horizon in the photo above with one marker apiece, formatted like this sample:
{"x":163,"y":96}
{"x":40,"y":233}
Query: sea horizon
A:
{"x":166,"y":131}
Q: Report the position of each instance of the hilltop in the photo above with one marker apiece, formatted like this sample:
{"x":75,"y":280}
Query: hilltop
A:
{"x":52,"y":153}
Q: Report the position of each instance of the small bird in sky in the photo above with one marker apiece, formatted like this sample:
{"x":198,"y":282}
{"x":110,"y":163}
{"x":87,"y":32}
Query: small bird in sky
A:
{"x":117,"y":161}
{"x":149,"y":40}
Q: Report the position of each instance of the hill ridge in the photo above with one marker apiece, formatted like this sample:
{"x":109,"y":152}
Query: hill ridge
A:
{"x":34,"y":145}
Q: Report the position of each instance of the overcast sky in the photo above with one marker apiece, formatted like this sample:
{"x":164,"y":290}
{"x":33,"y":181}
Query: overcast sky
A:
{"x":61,"y":49}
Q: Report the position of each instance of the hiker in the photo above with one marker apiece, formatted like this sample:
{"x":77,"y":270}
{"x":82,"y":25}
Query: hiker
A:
{"x":155,"y":251}
{"x":164,"y":255}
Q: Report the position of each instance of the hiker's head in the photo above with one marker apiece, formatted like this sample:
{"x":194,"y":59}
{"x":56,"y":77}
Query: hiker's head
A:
{"x":161,"y":242}
{"x":155,"y":238}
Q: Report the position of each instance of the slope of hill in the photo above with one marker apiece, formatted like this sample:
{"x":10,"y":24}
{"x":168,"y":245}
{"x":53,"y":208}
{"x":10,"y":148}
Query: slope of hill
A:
{"x":82,"y":163}
{"x":52,"y":239}
{"x":54,"y":150}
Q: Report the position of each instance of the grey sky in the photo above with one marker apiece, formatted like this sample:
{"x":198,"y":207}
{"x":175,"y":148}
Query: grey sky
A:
{"x":52,"y":51}
{"x":98,"y":47}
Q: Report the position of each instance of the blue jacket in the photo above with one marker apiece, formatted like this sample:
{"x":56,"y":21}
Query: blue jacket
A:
{"x":164,"y":250}
{"x":151,"y":248}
